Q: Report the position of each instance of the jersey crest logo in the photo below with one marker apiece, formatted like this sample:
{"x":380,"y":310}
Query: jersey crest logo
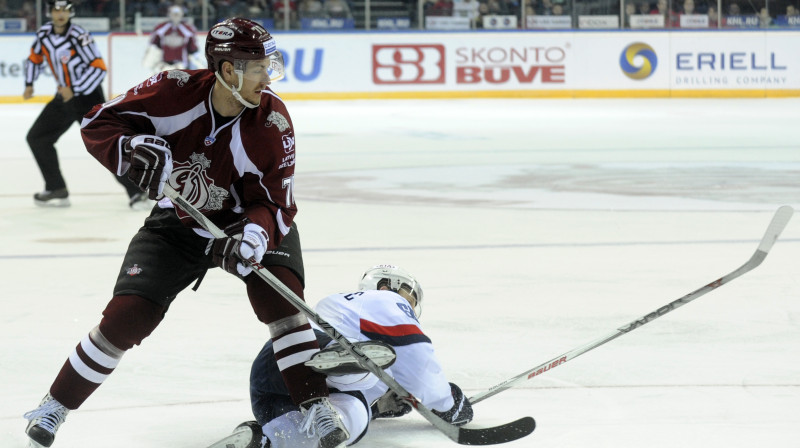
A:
{"x":278,"y":120}
{"x":193,"y":183}
{"x":63,"y":55}
{"x":133,"y":270}
{"x":406,"y":308}
{"x":181,"y":76}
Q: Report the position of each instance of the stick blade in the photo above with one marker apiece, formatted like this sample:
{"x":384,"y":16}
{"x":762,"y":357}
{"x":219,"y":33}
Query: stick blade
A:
{"x":497,"y":434}
{"x":776,"y":226}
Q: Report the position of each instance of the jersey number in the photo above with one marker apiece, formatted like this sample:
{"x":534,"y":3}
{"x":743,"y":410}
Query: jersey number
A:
{"x":288,"y":185}
{"x":353,"y":295}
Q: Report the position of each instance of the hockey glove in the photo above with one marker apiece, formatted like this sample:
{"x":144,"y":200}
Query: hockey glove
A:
{"x":390,"y":406}
{"x":151,"y":163}
{"x":461,"y":412}
{"x":246,"y":240}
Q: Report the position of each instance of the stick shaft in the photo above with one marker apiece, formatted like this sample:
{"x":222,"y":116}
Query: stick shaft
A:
{"x":776,"y":226}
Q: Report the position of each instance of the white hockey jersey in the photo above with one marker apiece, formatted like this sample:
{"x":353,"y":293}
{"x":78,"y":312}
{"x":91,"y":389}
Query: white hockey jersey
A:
{"x":386,"y":316}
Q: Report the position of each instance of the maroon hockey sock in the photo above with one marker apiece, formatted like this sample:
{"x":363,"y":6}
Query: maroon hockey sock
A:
{"x":292,"y":337}
{"x":292,"y":349}
{"x":267,"y":303}
{"x":127,"y":320}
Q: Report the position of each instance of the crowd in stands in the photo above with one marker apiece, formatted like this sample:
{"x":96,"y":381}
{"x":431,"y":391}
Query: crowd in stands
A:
{"x":673,"y":13}
{"x":474,"y":10}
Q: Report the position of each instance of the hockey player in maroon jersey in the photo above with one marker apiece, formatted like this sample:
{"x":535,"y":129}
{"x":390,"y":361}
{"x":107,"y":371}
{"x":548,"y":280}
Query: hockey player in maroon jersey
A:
{"x":225,"y":141}
{"x":172,"y":44}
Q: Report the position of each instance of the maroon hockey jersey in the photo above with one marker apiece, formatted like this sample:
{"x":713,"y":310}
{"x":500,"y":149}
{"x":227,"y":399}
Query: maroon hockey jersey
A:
{"x":175,"y":40}
{"x":244,"y":167}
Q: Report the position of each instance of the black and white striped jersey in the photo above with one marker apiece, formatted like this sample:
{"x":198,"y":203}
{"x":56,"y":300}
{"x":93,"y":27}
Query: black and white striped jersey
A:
{"x":73,"y":58}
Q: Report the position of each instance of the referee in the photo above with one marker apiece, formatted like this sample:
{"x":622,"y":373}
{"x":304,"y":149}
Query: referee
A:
{"x":78,"y":69}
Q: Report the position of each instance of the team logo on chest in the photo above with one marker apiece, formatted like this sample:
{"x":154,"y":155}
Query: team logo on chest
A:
{"x":192,"y":181}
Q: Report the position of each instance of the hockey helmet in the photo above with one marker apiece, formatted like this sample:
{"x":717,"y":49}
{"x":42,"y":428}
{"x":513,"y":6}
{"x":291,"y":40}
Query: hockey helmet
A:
{"x":60,"y":5}
{"x":397,"y":280}
{"x":239,"y":40}
{"x":175,"y":13}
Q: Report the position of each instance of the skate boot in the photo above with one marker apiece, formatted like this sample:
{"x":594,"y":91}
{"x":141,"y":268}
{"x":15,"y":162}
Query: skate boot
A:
{"x":44,"y":422}
{"x":322,"y":420}
{"x":55,"y":198}
{"x":246,"y":435}
{"x":140,"y":201}
{"x":336,"y":360}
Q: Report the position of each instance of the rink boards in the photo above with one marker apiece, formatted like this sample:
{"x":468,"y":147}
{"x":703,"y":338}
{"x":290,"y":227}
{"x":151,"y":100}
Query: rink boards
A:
{"x":488,"y":64}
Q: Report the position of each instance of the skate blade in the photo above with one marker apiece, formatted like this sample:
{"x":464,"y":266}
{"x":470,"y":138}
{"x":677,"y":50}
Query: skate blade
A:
{"x":241,"y":438}
{"x":342,"y":362}
{"x":33,"y":444}
{"x":53,"y":203}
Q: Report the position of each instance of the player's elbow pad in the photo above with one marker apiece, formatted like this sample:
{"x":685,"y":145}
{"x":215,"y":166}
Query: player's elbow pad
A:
{"x":461,"y":412}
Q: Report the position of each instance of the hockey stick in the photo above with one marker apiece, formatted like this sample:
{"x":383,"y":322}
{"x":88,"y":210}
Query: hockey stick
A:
{"x":464,"y":436}
{"x":776,"y":226}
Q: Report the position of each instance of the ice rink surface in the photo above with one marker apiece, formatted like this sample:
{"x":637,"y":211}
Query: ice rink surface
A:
{"x":534,"y":226}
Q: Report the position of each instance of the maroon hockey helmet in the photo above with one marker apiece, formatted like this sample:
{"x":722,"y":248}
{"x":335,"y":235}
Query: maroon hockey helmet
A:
{"x":239,"y":39}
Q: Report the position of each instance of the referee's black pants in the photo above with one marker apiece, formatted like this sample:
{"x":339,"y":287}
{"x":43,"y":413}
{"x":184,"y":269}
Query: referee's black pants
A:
{"x":52,"y":123}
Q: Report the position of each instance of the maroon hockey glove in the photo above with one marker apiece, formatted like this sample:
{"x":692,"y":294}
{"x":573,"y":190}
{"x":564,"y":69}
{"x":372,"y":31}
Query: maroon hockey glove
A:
{"x":461,"y":412}
{"x":245,"y":240}
{"x":151,"y":163}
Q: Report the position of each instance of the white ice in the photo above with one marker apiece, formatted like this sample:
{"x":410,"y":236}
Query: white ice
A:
{"x":535,"y":226}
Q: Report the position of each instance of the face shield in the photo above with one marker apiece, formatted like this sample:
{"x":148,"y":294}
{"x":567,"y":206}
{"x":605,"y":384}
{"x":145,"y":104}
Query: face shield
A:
{"x":271,"y":68}
{"x":275,"y":67}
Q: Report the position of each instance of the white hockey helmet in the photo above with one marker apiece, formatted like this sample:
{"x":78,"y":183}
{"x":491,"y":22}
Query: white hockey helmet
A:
{"x":175,"y":14}
{"x":397,"y":280}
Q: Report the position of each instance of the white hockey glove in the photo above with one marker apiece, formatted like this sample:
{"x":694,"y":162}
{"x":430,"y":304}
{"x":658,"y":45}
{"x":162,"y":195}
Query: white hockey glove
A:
{"x":461,"y":412}
{"x":243,"y":243}
{"x":151,"y":163}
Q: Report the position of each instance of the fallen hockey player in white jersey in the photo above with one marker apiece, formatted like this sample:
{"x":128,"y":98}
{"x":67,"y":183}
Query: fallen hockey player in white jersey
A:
{"x":383,"y":317}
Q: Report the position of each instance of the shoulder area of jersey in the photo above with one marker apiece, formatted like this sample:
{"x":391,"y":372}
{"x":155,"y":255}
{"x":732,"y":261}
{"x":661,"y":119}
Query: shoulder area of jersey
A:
{"x":184,"y":77}
{"x":370,"y":295}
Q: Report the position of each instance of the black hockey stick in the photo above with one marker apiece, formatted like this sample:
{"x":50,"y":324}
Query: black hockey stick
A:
{"x":776,"y":226}
{"x":464,"y":436}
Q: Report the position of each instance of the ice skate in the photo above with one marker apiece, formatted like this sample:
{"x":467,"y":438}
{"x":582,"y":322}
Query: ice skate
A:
{"x":55,"y":198}
{"x":140,"y":201}
{"x":322,"y":420}
{"x":246,"y":435}
{"x":336,"y":360}
{"x":44,"y":421}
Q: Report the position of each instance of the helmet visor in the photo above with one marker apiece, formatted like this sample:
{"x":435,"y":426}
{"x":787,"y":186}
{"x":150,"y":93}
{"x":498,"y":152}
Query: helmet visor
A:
{"x":276,"y":69}
{"x":270,"y":66}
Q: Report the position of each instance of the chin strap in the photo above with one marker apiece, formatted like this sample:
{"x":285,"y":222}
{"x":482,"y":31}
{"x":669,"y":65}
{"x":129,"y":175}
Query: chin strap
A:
{"x":235,"y":91}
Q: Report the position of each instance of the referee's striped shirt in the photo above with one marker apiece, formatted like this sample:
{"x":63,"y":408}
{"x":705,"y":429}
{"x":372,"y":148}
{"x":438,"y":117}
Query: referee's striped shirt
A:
{"x":73,"y":59}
